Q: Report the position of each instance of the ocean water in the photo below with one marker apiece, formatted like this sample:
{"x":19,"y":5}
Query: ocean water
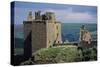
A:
{"x":70,"y":32}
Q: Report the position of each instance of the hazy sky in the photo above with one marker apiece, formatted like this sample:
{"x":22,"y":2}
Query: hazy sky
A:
{"x":64,"y":13}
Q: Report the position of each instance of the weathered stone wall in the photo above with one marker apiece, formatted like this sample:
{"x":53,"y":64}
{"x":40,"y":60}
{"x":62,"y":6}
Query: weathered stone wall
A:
{"x":27,"y":38}
{"x":38,"y":35}
{"x":53,"y":33}
{"x":50,"y":34}
{"x":58,"y":33}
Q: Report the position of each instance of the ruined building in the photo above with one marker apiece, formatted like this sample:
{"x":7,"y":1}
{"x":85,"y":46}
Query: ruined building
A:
{"x":41,"y":32}
{"x":85,"y":37}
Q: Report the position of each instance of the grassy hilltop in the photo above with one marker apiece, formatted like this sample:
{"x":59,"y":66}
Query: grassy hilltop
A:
{"x":62,"y":54}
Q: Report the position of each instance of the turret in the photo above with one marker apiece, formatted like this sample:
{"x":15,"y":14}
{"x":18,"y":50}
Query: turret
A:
{"x":38,"y":15}
{"x":30,"y":17}
{"x":50,"y":16}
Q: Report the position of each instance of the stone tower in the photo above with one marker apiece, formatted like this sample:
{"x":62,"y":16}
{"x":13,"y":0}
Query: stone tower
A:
{"x":41,"y":32}
{"x":85,"y":37}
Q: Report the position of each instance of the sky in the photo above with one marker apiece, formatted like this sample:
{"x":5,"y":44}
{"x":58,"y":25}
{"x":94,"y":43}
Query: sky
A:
{"x":65,"y":13}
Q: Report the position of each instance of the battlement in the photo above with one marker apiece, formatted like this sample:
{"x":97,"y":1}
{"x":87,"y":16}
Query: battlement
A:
{"x":41,"y":17}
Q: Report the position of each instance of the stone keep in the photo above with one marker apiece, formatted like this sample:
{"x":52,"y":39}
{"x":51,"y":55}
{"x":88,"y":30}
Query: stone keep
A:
{"x":41,"y":32}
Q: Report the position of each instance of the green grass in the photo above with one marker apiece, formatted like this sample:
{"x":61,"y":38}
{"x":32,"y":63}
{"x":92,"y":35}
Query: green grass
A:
{"x":57,"y":54}
{"x":62,"y":54}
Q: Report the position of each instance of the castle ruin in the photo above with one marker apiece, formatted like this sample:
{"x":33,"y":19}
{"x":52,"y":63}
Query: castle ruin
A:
{"x":41,"y":32}
{"x":85,"y":37}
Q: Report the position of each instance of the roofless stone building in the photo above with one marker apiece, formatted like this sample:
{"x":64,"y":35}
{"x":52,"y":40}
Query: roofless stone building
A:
{"x":41,"y":32}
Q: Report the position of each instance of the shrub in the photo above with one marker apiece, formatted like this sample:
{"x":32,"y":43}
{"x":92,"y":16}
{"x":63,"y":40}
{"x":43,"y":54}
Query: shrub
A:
{"x":62,"y":54}
{"x":46,"y":55}
{"x":69,"y":54}
{"x":89,"y":54}
{"x":56,"y":54}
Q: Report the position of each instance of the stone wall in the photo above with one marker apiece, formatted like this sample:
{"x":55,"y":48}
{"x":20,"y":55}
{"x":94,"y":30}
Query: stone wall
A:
{"x":27,"y":38}
{"x":38,"y":35}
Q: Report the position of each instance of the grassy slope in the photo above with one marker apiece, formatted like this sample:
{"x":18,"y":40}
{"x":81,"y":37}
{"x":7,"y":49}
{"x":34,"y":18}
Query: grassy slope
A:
{"x":62,"y":54}
{"x":57,"y":54}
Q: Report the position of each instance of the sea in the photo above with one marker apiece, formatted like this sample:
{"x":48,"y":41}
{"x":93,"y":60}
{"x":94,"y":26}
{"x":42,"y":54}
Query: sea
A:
{"x":69,"y":32}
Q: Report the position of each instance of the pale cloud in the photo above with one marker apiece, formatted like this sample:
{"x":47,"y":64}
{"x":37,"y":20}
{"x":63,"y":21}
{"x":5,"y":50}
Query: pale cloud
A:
{"x":78,"y":16}
{"x":62,"y":15}
{"x":68,"y":15}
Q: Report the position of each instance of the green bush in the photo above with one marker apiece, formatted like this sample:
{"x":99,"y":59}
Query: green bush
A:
{"x":57,"y":54}
{"x":89,"y":54}
{"x":69,"y":54}
{"x":62,"y":54}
